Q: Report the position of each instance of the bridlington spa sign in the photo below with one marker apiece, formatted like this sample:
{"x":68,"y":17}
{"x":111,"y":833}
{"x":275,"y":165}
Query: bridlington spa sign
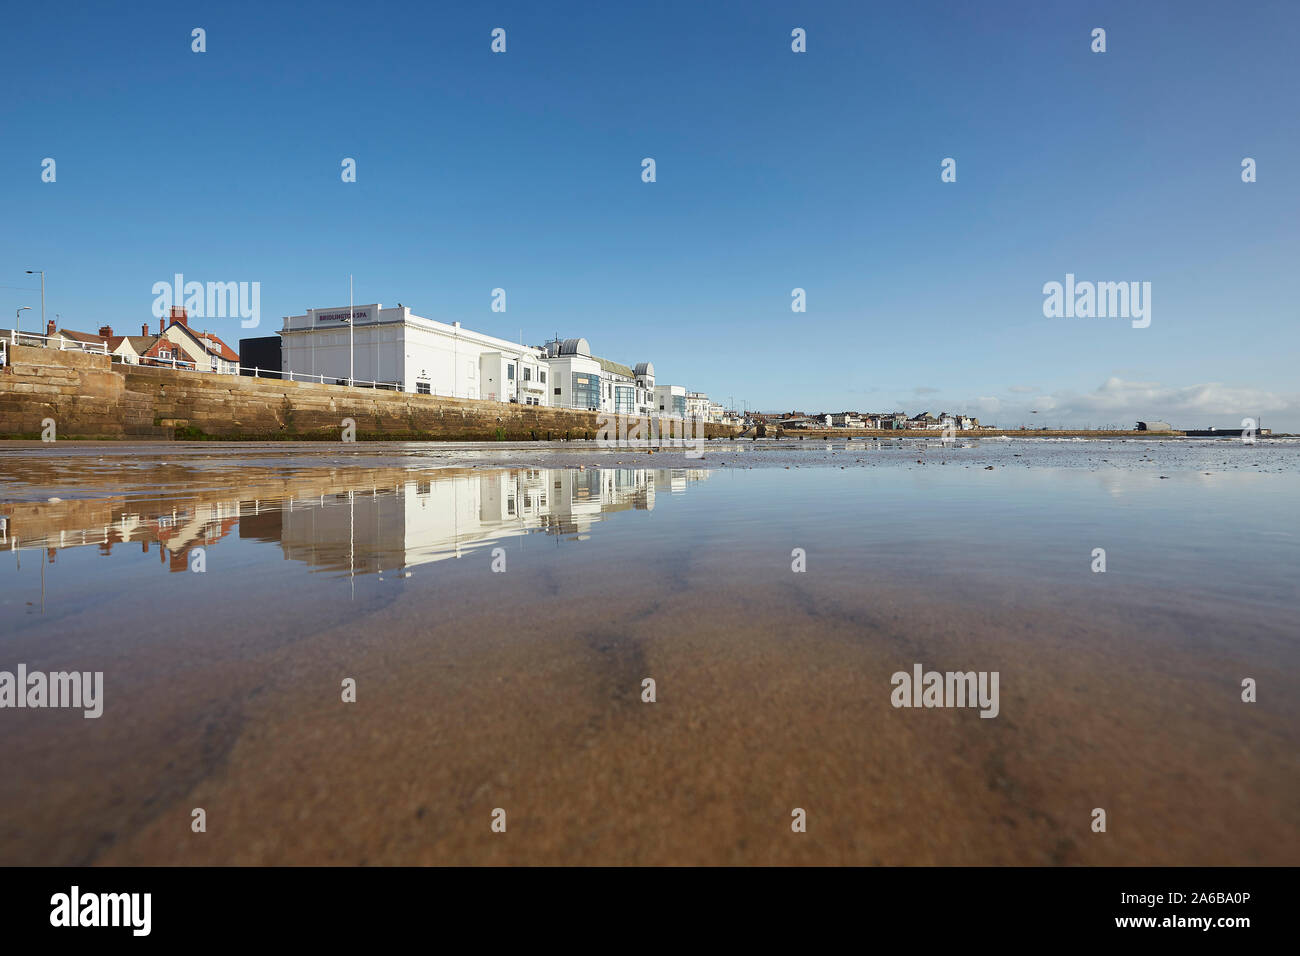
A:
{"x":341,"y":315}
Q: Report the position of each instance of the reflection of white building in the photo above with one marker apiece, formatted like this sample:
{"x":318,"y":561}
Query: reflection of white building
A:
{"x":411,"y":353}
{"x":422,"y":521}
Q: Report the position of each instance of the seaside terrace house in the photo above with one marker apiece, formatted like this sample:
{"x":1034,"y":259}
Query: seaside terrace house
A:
{"x":162,"y":351}
{"x":923,"y":420}
{"x":846,"y":420}
{"x":104,"y":340}
{"x":204,"y":351}
{"x":697,"y":406}
{"x":125,"y":349}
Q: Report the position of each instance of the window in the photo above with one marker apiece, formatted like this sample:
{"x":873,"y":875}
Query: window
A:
{"x":624,"y":403}
{"x":422,"y":388}
{"x":543,"y":377}
{"x":510,"y":371}
{"x":557,"y":391}
{"x":586,"y":391}
{"x":528,"y":374}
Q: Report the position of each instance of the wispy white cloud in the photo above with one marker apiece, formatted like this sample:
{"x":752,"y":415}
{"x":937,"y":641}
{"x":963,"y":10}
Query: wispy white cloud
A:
{"x":1123,"y":402}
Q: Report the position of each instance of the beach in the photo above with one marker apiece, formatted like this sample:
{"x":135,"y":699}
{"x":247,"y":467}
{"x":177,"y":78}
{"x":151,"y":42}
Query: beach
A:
{"x":520,"y":687}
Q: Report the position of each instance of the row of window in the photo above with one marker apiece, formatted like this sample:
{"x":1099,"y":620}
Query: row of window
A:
{"x":528,"y":373}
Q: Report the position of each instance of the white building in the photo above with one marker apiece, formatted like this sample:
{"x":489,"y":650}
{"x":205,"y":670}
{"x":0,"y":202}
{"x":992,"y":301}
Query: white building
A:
{"x":670,"y":401}
{"x":412,"y":354}
{"x":581,"y":380}
{"x":697,"y":406}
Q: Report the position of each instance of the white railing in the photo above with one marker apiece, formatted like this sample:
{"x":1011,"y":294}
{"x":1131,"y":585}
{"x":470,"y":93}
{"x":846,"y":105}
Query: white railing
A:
{"x":252,"y":371}
{"x":35,"y":339}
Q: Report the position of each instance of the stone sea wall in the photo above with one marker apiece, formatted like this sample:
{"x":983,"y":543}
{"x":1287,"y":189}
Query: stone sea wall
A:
{"x":87,"y":396}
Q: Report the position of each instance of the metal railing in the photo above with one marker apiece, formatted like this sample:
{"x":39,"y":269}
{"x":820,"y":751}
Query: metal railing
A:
{"x":39,"y":341}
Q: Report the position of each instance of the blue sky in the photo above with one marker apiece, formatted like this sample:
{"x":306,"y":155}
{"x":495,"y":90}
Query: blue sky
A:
{"x":775,"y":170}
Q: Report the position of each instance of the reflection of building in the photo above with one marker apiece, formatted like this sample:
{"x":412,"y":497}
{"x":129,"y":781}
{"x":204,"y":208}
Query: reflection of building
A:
{"x":363,"y":527}
{"x":422,"y":521}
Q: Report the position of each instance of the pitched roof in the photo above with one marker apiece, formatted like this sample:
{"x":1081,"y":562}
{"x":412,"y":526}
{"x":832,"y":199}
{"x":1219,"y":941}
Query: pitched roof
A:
{"x":86,"y":337}
{"x":208,"y":341}
{"x":614,"y":367}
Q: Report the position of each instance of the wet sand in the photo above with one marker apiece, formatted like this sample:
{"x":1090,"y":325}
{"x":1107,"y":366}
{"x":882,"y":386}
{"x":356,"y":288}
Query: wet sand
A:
{"x":523,"y":690}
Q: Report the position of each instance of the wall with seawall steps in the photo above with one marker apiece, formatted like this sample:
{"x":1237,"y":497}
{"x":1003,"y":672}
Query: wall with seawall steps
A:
{"x":88,"y":397}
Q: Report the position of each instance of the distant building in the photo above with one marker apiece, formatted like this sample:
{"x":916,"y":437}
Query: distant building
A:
{"x":1154,"y":427}
{"x":670,"y":401}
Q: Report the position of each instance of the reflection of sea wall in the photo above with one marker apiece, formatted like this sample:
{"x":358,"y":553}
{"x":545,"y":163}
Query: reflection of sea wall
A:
{"x":185,"y":517}
{"x":362,"y":519}
{"x":89,"y":397}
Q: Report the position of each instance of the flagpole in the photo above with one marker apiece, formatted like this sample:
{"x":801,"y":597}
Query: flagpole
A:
{"x":350,"y":323}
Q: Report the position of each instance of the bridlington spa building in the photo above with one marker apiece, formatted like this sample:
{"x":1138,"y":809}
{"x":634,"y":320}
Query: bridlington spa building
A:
{"x":410,"y":353}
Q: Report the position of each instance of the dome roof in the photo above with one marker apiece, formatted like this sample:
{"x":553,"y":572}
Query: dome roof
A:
{"x":575,"y":347}
{"x":645,"y":368}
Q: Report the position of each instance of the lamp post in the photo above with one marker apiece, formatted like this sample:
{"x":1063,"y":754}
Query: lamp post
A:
{"x":350,"y":324}
{"x":18,"y":317}
{"x":32,"y":272}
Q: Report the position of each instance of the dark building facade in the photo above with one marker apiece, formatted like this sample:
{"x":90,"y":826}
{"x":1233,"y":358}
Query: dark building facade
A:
{"x":261,"y":353}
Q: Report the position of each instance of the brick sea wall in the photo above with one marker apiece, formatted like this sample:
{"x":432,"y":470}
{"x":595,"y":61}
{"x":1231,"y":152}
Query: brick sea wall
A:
{"x":89,"y":397}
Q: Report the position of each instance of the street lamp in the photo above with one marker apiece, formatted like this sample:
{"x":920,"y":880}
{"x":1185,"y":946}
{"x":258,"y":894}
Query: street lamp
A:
{"x":32,"y":272}
{"x":18,"y":316}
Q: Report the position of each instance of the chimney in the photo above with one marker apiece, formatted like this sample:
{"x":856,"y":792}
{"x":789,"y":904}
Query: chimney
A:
{"x":49,"y":327}
{"x":162,"y":326}
{"x":105,"y":331}
{"x":144,"y":329}
{"x":180,"y":316}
